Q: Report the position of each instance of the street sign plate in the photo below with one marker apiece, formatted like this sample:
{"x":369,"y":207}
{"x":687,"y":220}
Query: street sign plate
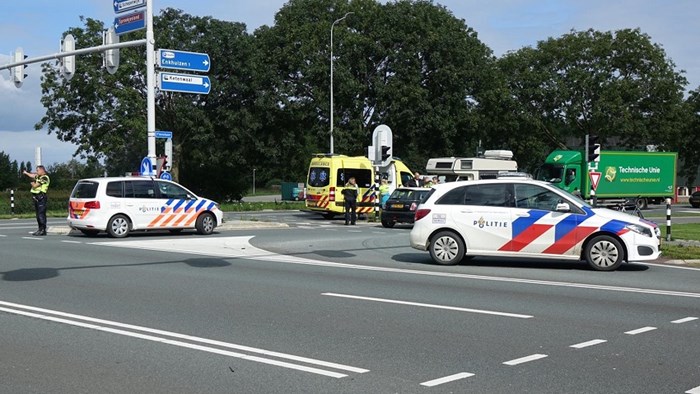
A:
{"x":184,"y":83}
{"x":164,"y":134}
{"x":166,"y":175}
{"x":182,"y":60}
{"x":128,"y":23}
{"x":146,"y":166}
{"x":595,"y":178}
{"x":127,"y":5}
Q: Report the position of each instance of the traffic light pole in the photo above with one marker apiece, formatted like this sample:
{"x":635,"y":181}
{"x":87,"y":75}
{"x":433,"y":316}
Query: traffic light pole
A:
{"x":150,"y":84}
{"x":81,"y":51}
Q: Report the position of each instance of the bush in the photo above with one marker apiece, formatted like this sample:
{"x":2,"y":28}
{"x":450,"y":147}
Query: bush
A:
{"x":58,"y":201}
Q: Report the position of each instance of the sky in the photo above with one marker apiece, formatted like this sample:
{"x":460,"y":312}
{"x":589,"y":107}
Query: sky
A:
{"x":503,"y":25}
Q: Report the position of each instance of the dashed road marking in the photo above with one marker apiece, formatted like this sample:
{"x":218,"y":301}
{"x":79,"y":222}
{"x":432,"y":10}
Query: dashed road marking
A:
{"x":587,"y":344}
{"x":640,"y":330}
{"x":526,"y":359}
{"x":72,"y":242}
{"x":452,"y":308}
{"x":684,"y":320}
{"x":447,"y":379}
{"x":32,"y":238}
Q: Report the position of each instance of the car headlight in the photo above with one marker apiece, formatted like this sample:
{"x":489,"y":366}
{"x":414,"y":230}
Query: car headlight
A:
{"x":639,"y":229}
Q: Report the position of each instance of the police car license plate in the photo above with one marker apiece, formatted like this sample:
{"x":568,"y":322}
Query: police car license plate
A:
{"x":399,"y":206}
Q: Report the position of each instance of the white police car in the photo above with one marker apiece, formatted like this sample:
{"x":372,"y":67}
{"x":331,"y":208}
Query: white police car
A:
{"x":123,"y":204}
{"x":526,"y":218}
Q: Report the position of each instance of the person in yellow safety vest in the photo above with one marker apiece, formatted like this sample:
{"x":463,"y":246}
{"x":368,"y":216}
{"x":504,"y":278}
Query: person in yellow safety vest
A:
{"x":40,"y":186}
{"x":384,"y":192}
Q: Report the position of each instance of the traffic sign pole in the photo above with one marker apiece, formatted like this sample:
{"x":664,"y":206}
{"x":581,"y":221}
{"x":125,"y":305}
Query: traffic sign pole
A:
{"x":151,"y":83}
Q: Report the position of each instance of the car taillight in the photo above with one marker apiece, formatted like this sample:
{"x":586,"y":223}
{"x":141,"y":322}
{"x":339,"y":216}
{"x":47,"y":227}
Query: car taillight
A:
{"x":420,"y":214}
{"x":413,"y":206}
{"x":331,"y":194}
{"x":92,"y":205}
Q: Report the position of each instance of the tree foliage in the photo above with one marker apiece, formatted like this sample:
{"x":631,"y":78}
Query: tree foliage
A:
{"x":409,"y":64}
{"x":618,"y":85}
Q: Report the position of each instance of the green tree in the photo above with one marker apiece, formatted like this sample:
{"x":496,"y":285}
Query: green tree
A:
{"x":105,"y":115}
{"x":618,"y":85}
{"x":689,"y":142}
{"x":8,"y":172}
{"x":411,"y":65}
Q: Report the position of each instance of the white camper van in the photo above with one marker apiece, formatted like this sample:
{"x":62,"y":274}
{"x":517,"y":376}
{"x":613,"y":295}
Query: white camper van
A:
{"x":493,"y":164}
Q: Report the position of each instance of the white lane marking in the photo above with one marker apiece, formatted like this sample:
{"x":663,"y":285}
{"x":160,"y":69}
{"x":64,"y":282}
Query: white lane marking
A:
{"x":447,"y":379}
{"x":72,"y":242}
{"x":452,"y":308}
{"x":693,"y":391}
{"x":240,"y":247}
{"x":684,"y":320}
{"x":32,"y":238}
{"x":354,"y":231}
{"x":587,"y":344}
{"x":525,"y":359}
{"x":187,"y":337}
{"x":640,"y":330}
{"x":679,"y":267}
{"x":3,"y":235}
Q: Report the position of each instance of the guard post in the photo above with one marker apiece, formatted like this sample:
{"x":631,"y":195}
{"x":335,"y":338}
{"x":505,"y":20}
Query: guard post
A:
{"x":668,"y":219}
{"x":12,"y":202}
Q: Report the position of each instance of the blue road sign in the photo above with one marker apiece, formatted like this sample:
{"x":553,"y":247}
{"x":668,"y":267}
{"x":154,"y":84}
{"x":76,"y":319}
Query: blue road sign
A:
{"x":166,"y":175}
{"x":164,"y":134}
{"x":181,"y":60}
{"x":146,"y":166}
{"x":128,"y":23}
{"x":127,"y":5}
{"x":185,"y":83}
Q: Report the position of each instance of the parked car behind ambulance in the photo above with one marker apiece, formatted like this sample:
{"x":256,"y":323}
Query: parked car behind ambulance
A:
{"x":123,"y":204}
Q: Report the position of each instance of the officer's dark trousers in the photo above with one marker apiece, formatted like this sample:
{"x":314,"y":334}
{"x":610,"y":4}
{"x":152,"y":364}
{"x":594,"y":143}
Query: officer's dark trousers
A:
{"x":40,"y":201}
{"x":350,"y":211}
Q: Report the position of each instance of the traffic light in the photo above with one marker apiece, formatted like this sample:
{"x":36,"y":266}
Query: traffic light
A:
{"x":17,"y":72}
{"x":111,"y":56}
{"x":386,"y":154}
{"x":68,"y":62}
{"x":593,"y":148}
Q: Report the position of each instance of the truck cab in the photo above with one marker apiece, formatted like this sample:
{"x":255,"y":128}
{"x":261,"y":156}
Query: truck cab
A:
{"x":563,"y":168}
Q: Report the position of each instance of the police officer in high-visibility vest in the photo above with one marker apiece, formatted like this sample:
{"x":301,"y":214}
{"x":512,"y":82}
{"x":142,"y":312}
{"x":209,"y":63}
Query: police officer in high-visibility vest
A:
{"x":40,"y":185}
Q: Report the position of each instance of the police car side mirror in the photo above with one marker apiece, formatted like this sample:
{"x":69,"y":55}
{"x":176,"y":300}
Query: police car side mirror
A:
{"x":563,"y":207}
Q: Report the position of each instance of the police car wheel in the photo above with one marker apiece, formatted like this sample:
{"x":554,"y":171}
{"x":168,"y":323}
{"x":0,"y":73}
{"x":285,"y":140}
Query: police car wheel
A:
{"x":118,"y":226}
{"x":388,"y":223}
{"x":447,"y":248}
{"x":604,"y":253}
{"x":205,"y":224}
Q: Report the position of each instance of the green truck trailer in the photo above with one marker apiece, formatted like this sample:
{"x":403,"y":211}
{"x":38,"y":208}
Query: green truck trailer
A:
{"x":620,"y":175}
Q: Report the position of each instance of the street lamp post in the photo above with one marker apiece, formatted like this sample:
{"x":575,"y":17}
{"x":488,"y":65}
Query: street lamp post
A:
{"x":332,"y":26}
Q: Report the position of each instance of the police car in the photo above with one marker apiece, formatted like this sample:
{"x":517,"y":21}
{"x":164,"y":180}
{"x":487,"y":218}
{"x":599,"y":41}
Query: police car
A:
{"x":124,"y":204}
{"x":526,"y":218}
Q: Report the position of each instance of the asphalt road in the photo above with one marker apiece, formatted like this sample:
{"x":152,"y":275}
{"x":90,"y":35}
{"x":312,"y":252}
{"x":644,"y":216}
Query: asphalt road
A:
{"x":322,"y":307}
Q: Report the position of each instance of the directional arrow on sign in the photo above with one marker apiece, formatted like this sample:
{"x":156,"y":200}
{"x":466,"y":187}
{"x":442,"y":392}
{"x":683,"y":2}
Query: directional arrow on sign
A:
{"x":182,"y":60}
{"x":127,"y":5}
{"x":184,"y":83}
{"x":128,"y":23}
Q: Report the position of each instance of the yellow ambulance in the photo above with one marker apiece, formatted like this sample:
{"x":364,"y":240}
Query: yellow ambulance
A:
{"x":328,"y":175}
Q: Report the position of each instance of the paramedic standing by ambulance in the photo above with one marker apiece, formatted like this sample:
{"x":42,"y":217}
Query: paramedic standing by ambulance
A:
{"x":350,"y":195}
{"x":40,"y":186}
